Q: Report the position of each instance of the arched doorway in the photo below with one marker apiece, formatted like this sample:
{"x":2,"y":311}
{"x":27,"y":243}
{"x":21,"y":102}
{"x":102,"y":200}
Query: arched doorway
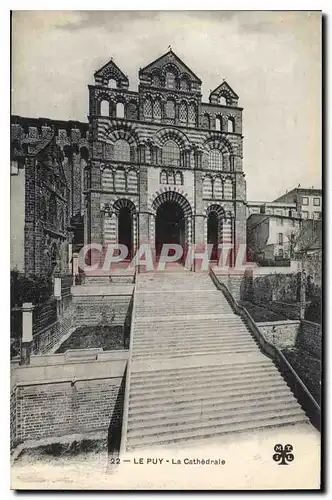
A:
{"x":125,"y":211}
{"x":173,"y":216}
{"x":125,"y":230}
{"x":213,"y":233}
{"x":170,"y":225}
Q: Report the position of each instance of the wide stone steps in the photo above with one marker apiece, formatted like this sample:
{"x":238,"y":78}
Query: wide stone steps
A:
{"x":188,"y":338}
{"x":149,"y":327}
{"x":194,"y":351}
{"x":214,"y":389}
{"x":150,"y":332}
{"x":212,"y":340}
{"x":203,"y":417}
{"x":195,"y":345}
{"x":140,"y":383}
{"x":244,"y":394}
{"x":212,"y":368}
{"x":215,"y":428}
{"x":209,"y":407}
{"x":196,"y":369}
{"x":223,"y":383}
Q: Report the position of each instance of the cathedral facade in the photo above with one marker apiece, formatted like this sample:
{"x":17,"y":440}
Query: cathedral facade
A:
{"x":155,"y":166}
{"x":164,"y":166}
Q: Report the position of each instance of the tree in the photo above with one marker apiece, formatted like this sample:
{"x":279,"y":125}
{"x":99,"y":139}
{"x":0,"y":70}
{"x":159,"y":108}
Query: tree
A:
{"x":305,"y":245}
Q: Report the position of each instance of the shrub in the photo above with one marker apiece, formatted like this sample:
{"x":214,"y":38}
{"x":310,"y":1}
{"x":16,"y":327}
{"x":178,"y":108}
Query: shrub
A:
{"x":35,"y":289}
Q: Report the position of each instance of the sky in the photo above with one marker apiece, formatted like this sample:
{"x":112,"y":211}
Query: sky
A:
{"x":271,"y":59}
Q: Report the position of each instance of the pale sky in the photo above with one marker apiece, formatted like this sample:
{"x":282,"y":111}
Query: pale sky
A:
{"x":271,"y":59}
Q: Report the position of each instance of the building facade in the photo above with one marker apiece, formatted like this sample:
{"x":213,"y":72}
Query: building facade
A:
{"x":164,"y":166}
{"x":156,"y":166}
{"x":308,"y":202}
{"x":269,"y":237}
{"x":48,"y":159}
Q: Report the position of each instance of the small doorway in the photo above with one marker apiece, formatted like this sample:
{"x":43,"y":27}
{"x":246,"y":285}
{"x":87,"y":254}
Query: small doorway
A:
{"x":125,"y":230}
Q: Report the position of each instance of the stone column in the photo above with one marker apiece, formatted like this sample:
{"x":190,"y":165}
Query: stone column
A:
{"x":134,"y":234}
{"x":26,"y":341}
{"x":186,"y":156}
{"x":143,"y":216}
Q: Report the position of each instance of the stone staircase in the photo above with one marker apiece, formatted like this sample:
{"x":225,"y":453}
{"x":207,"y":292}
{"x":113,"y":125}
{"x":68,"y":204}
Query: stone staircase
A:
{"x":196,"y":371}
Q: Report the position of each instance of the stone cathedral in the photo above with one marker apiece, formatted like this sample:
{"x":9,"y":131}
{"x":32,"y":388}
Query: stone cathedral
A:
{"x":165,"y":167}
{"x":156,"y":165}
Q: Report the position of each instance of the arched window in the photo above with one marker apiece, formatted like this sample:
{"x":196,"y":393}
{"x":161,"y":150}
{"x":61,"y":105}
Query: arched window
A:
{"x":132,"y":181}
{"x":171,"y":153}
{"x":222,"y":101}
{"x":112,"y":84}
{"x":218,"y":123}
{"x":170,"y":80}
{"x":163,"y":177}
{"x":157,"y":109}
{"x":178,"y":179}
{"x":156,"y":81}
{"x":215,"y":159}
{"x":120,"y":110}
{"x":183,"y":114}
{"x":207,"y":187}
{"x":192,"y":113}
{"x":230,"y":125}
{"x":206,"y":121}
{"x":147,"y":108}
{"x":170,"y":108}
{"x":120,"y":180}
{"x":184,"y":84}
{"x":217,"y":191}
{"x":104,"y":108}
{"x":121,"y":150}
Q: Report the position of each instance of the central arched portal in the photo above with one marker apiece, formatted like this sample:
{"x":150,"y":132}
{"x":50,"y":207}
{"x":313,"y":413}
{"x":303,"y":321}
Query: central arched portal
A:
{"x":173,"y":216}
{"x":170,"y":225}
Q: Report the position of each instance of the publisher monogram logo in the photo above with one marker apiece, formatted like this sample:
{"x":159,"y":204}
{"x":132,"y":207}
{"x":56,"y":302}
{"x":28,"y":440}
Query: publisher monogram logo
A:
{"x":283,"y":454}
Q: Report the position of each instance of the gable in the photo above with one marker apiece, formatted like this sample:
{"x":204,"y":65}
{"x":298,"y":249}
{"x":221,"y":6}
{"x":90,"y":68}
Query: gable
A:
{"x":225,"y":90}
{"x":172,"y":61}
{"x":110,"y":71}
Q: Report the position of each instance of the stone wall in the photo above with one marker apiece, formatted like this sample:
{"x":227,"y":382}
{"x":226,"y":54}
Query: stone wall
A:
{"x":62,"y":408}
{"x":280,"y":333}
{"x":44,"y":315}
{"x":56,"y":395}
{"x":101,"y":309}
{"x":45,"y":340}
{"x":310,"y":338}
{"x":13,"y":424}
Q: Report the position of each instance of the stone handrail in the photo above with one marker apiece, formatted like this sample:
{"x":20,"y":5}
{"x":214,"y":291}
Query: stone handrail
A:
{"x":127,"y":375}
{"x":300,"y":391}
